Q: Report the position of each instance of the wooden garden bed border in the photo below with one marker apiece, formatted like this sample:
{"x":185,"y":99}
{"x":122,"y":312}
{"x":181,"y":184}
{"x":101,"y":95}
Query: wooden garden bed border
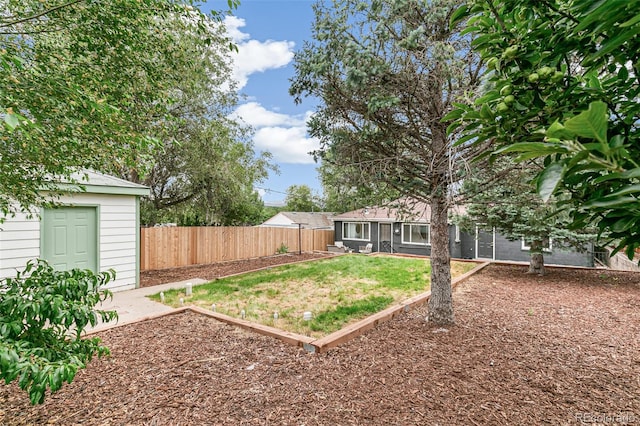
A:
{"x":356,"y":329}
{"x":311,"y":344}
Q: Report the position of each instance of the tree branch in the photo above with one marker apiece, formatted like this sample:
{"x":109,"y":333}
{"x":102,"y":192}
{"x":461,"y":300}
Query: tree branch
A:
{"x":40,"y":14}
{"x":497,"y":15}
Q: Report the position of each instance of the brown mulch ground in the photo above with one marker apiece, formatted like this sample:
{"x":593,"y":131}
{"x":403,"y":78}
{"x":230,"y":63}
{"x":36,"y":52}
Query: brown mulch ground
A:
{"x":531,"y":350}
{"x":222,"y":269}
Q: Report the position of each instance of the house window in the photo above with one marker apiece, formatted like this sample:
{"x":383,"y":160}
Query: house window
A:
{"x":547,"y":244}
{"x":413,"y":233}
{"x":355,"y":231}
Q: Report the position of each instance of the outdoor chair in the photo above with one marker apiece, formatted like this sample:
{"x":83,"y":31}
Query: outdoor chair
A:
{"x":366,"y":249}
{"x":338,"y":247}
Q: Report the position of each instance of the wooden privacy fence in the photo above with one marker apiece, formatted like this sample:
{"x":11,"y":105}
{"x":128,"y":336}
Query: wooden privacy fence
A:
{"x":170,"y":247}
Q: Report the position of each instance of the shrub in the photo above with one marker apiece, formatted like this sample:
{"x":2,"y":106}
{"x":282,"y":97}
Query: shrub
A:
{"x":43,"y":313}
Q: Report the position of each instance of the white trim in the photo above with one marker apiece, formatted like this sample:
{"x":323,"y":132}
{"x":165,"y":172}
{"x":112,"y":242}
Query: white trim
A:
{"x":525,"y":247}
{"x":428,"y":225}
{"x":368,"y":233}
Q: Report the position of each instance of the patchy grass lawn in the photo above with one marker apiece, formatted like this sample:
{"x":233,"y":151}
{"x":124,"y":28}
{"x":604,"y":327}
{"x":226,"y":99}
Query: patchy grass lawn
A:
{"x":336,"y":291}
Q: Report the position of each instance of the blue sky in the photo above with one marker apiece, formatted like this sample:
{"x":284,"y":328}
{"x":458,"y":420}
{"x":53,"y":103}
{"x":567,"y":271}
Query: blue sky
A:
{"x":267,"y":33}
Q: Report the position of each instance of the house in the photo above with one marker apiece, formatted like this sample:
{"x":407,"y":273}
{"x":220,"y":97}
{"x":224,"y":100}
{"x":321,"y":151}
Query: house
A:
{"x":307,"y":220}
{"x":97,"y":229}
{"x":404,"y":228}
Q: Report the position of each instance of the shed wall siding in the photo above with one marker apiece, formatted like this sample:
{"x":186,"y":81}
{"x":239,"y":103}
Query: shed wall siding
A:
{"x":20,"y":237}
{"x":19,"y":242}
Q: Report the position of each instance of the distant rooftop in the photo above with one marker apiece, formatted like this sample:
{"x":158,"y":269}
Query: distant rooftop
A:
{"x":404,"y":210}
{"x":315,"y":220}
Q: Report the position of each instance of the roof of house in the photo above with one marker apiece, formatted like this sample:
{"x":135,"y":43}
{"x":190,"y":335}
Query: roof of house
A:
{"x":403,"y":210}
{"x":314,"y":220}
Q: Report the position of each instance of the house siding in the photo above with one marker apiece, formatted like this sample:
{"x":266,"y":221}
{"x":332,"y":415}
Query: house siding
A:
{"x":512,"y":251}
{"x":117,"y":236}
{"x":455,"y":247}
{"x":337,"y":231}
{"x":467,"y":245}
{"x":465,"y":248}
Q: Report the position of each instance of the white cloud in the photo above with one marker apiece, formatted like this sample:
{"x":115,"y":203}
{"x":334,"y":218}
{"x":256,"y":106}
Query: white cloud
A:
{"x":288,"y":145}
{"x":253,"y":55}
{"x":256,"y":115}
{"x":233,"y":24}
{"x":283,"y":135}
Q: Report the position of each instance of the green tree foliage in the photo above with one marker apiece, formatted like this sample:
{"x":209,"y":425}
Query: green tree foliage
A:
{"x":84,"y":84}
{"x":205,"y":176}
{"x":563,"y":86}
{"x":243,"y":209}
{"x":205,"y":167}
{"x":42,"y":315}
{"x":81,"y":81}
{"x":300,"y":199}
{"x":501,"y":196}
{"x":387,"y":72}
{"x":346,"y":189}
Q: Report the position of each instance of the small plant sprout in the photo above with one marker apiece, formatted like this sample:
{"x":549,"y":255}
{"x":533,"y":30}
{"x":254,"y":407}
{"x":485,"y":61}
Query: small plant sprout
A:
{"x":162,"y":296}
{"x":530,"y":311}
{"x":188,"y":290}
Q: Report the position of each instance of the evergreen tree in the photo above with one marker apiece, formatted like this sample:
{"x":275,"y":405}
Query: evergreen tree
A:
{"x":502,"y":197}
{"x":387,"y":73}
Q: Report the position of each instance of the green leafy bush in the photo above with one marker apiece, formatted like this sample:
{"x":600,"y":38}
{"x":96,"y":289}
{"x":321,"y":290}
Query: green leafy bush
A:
{"x":43,"y":313}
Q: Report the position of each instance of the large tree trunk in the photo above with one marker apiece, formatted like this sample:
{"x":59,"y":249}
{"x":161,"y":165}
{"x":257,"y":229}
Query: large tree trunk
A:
{"x":440,"y":302}
{"x":536,"y":261}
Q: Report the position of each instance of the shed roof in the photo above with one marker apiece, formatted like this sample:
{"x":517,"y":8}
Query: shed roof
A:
{"x":100,"y":183}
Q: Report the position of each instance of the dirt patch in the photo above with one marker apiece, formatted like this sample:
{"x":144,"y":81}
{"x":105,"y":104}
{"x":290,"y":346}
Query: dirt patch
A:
{"x":222,"y":269}
{"x":526,"y":350}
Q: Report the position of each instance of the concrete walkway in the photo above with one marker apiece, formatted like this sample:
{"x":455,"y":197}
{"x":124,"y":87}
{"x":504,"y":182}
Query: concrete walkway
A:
{"x":133,"y":305}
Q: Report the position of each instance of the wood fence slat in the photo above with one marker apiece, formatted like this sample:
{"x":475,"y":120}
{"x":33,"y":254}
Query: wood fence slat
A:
{"x":172,"y":247}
